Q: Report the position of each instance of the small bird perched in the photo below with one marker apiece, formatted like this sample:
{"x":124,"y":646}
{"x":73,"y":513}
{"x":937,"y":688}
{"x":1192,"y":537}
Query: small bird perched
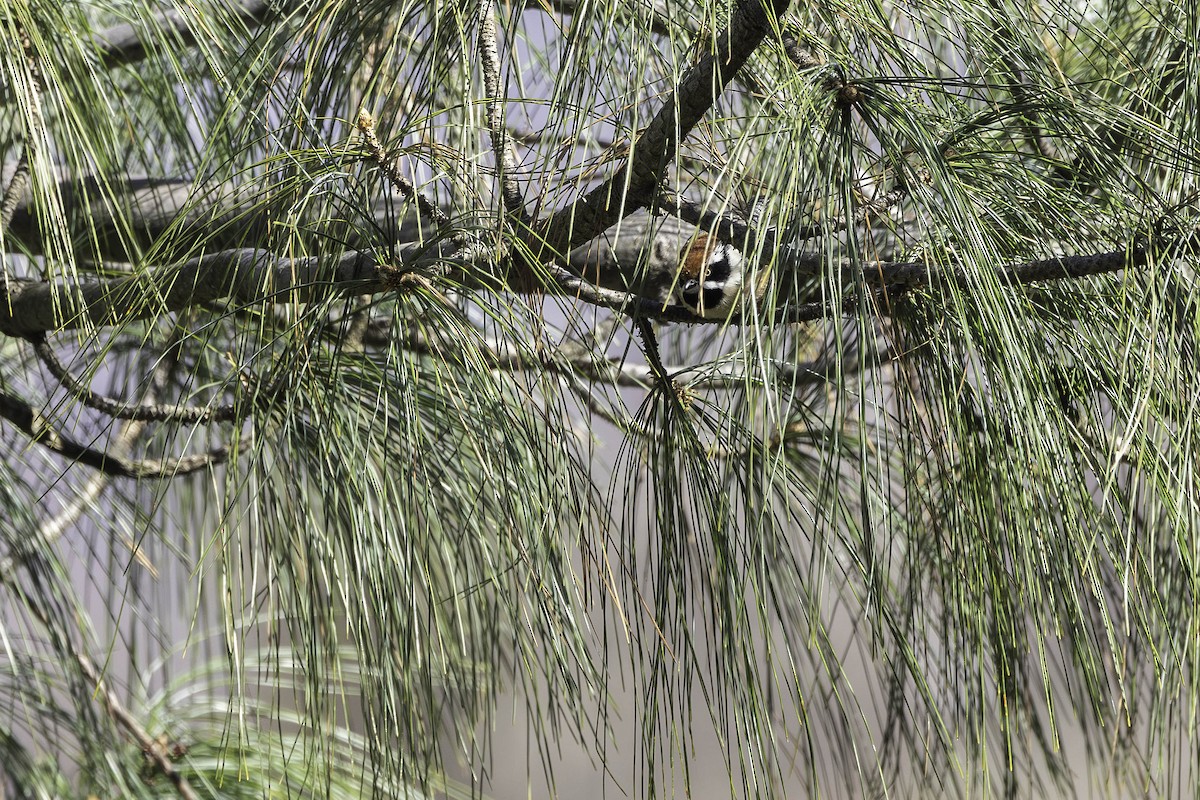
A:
{"x":667,"y":260}
{"x":711,"y":276}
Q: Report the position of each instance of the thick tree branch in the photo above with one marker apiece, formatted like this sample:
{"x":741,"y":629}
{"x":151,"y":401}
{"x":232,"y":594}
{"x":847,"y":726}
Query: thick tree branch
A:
{"x":144,"y":209}
{"x":252,"y":277}
{"x":122,"y":44}
{"x":632,"y":186}
{"x":248,"y":276}
{"x":123,"y":216}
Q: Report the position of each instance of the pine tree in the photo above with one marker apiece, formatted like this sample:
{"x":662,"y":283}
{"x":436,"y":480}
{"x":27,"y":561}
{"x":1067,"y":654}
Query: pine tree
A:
{"x":373,"y":430}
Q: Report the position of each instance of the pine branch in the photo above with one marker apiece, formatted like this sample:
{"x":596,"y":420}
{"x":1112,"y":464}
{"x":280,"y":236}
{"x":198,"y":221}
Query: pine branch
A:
{"x":122,"y":44}
{"x":140,"y":412}
{"x":38,"y":429}
{"x":17,"y":186}
{"x":632,"y":185}
{"x":248,"y":276}
{"x":255,"y":277}
{"x":81,"y":498}
{"x":506,"y":158}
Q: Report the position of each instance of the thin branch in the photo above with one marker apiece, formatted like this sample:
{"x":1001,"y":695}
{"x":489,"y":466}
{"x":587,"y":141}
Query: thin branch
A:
{"x":574,"y":360}
{"x":581,"y":140}
{"x":662,"y":18}
{"x":387,"y":164}
{"x":506,"y":160}
{"x":1021,"y":89}
{"x":650,"y":346}
{"x":800,"y":57}
{"x":359,"y":326}
{"x":34,"y":425}
{"x":897,"y":274}
{"x":151,"y":747}
{"x":15,"y":191}
{"x":632,"y":186}
{"x":732,"y":230}
{"x":622,"y":422}
{"x":636,"y":306}
{"x":82,"y":497}
{"x":142,"y":412}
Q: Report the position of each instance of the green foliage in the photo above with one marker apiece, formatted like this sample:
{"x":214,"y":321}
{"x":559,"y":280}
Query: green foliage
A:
{"x":924,"y":544}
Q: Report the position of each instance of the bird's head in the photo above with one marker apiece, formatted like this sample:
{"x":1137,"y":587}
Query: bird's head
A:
{"x":710,"y":277}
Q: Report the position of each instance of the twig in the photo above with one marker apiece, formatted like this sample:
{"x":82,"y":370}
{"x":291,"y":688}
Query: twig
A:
{"x":142,"y":412}
{"x":798,"y":55}
{"x":15,"y":190}
{"x":622,"y":422}
{"x":506,"y":162}
{"x":583,"y":140}
{"x":84,"y":496}
{"x":151,"y":747}
{"x":81,"y":498}
{"x":359,"y":324}
{"x":571,"y":360}
{"x":34,"y":425}
{"x":387,"y":164}
{"x":897,"y":274}
{"x":653,"y":357}
{"x":1021,"y":88}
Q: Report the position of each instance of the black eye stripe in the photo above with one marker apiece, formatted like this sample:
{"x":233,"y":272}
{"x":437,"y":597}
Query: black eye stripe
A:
{"x":718,"y":270}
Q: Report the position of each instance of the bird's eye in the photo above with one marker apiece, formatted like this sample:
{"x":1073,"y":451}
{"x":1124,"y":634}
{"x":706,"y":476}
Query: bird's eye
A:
{"x":719,"y":269}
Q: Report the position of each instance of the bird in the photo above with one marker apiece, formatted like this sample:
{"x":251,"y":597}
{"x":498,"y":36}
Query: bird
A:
{"x":711,"y":277}
{"x":672,"y":262}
